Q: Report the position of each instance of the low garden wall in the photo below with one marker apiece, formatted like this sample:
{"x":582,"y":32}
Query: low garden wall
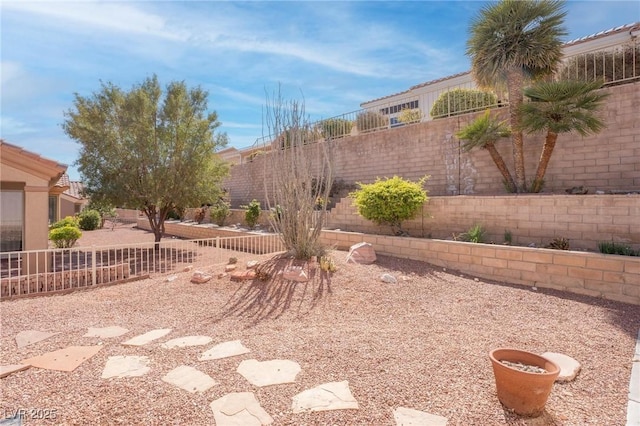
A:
{"x":594,"y":274}
{"x":531,"y":218}
{"x":39,"y":284}
{"x":608,"y":276}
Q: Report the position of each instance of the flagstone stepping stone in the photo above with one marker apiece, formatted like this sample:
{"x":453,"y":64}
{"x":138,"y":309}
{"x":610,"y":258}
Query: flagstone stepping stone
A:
{"x":126,"y":366}
{"x":189,"y":379}
{"x":239,"y":409}
{"x":6,"y":370}
{"x":328,"y":396}
{"x":29,"y":337}
{"x":409,"y":417}
{"x":183,"y":342}
{"x":147,"y":337}
{"x":106,"y":332}
{"x":67,"y":359}
{"x":569,"y":367}
{"x":224,"y":350}
{"x":268,"y":373}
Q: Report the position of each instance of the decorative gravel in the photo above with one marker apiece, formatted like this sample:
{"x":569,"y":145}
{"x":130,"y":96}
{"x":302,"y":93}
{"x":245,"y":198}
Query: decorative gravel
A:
{"x":422,"y":343}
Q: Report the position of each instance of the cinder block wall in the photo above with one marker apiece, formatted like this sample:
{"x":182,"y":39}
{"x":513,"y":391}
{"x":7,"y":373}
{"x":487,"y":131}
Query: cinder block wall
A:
{"x":607,"y":161}
{"x":593,"y":274}
{"x":531,"y":218}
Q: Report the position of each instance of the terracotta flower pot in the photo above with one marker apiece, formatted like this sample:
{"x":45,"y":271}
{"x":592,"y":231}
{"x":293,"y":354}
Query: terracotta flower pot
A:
{"x":524,"y":392}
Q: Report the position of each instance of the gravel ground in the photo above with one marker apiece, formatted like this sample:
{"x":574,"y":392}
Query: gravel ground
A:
{"x":422,"y":343}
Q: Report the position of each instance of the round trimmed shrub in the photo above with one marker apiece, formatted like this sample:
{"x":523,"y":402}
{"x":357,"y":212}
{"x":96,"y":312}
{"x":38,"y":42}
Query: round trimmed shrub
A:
{"x":462,"y":101}
{"x":89,"y":220}
{"x":67,"y":221}
{"x":390,"y":201}
{"x":64,"y":236}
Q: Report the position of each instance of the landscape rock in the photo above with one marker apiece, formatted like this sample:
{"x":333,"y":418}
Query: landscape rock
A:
{"x":409,"y":417}
{"x":189,"y":379}
{"x":295,"y":273}
{"x":362,"y":253}
{"x":267,"y":373}
{"x":224,"y":350}
{"x":569,"y":367}
{"x":200,"y":277}
{"x":239,"y":409}
{"x":67,"y":359}
{"x":188,"y":268}
{"x":147,"y":337}
{"x":6,"y":370}
{"x":171,"y":278}
{"x":243,"y":275}
{"x":183,"y":342}
{"x":252,"y":264}
{"x":106,"y":332}
{"x":29,"y":337}
{"x":388,"y":278}
{"x":126,"y":366}
{"x":222,"y":275}
{"x":328,"y":396}
{"x":230,"y":268}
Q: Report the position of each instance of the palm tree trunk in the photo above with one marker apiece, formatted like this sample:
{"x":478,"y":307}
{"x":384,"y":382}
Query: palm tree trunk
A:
{"x":515,"y":83}
{"x":497,"y":159}
{"x":545,"y":157}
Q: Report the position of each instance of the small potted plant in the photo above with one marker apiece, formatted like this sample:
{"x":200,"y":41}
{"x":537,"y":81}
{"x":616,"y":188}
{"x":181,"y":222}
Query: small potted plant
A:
{"x":523,"y":380}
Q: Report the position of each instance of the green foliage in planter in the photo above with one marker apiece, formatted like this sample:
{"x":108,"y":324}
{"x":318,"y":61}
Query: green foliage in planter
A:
{"x":252,"y":213}
{"x":64,"y":236}
{"x":371,"y":120}
{"x":461,"y":101}
{"x":335,"y":127}
{"x":408,"y":116}
{"x":621,"y":65}
{"x":611,"y":247}
{"x":390,"y":201}
{"x":67,"y":221}
{"x":475,"y":234}
{"x":220,"y":211}
{"x":89,"y":220}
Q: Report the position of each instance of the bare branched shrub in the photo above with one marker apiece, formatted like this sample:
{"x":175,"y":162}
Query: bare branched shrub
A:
{"x":301,"y":178}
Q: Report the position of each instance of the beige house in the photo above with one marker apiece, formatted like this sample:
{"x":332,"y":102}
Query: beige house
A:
{"x":72,"y":200}
{"x":30,"y":197}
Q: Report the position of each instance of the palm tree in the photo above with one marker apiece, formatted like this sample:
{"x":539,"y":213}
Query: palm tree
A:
{"x":560,"y":107}
{"x":483,"y":133}
{"x":511,"y":41}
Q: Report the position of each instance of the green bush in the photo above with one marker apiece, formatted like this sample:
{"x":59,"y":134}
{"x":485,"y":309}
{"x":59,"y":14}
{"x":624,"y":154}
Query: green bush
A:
{"x":408,"y":116}
{"x":219,"y":212}
{"x":89,"y":220}
{"x":335,"y":127}
{"x":461,"y":101}
{"x":67,"y":221}
{"x":371,"y":120}
{"x":611,"y":247}
{"x":390,"y":201}
{"x":64,"y":236}
{"x":475,"y":234}
{"x":252,"y":213}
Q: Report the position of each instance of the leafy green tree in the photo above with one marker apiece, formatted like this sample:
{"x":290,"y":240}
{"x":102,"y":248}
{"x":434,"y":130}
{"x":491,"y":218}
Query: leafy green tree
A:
{"x":560,"y":107}
{"x":390,"y":201}
{"x":511,"y":41}
{"x":483,"y":133}
{"x":89,"y":220}
{"x":147,"y":149}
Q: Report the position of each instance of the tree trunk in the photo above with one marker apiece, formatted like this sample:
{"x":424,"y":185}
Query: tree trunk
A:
{"x":545,"y":157}
{"x":497,"y":159}
{"x":515,"y":83}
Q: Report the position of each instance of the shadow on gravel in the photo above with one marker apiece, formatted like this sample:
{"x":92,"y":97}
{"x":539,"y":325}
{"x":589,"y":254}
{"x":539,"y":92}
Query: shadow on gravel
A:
{"x":269,"y":295}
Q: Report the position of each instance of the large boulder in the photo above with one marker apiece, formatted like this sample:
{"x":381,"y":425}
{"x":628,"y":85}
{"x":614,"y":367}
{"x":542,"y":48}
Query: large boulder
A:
{"x":362,"y":253}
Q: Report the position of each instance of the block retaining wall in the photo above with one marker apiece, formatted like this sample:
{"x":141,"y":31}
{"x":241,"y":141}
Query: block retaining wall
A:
{"x":607,"y":161}
{"x":608,"y":276}
{"x":583,"y":219}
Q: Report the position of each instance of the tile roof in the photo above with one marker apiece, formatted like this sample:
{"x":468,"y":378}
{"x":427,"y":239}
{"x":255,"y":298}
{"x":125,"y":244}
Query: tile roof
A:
{"x":76,"y":190}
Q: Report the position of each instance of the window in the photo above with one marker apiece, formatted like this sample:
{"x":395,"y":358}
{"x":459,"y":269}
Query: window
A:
{"x":53,"y":209}
{"x":11,"y":220}
{"x":397,"y":108}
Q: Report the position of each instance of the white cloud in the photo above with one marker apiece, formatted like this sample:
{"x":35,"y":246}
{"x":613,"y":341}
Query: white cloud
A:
{"x":12,"y":127}
{"x":115,"y":17}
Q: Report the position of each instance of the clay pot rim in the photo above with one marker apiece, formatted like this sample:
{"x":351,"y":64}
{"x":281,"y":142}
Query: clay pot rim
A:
{"x":497,"y":363}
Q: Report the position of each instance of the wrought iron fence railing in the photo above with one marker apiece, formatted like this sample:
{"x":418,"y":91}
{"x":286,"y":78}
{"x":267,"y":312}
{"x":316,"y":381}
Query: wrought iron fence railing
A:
{"x":44,"y":271}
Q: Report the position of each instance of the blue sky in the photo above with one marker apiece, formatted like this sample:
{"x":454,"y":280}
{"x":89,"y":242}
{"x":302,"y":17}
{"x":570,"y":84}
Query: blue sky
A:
{"x":336,"y":54}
